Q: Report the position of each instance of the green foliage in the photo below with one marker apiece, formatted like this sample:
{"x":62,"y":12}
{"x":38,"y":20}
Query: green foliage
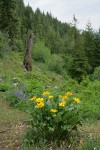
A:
{"x":4,"y":86}
{"x":52,"y":114}
{"x":68,"y":86}
{"x":40,"y":52}
{"x":96,"y":74}
{"x":29,"y":18}
{"x":80,"y":65}
{"x":4,"y":43}
{"x":34,"y":87}
{"x":96,"y":61}
{"x":55,"y":63}
{"x":12,"y":99}
{"x":68,"y":62}
{"x":9,"y":19}
{"x":88,"y":41}
{"x":90,"y":96}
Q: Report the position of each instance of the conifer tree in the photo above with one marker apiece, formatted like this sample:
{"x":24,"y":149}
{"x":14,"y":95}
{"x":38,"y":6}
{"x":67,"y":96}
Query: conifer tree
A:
{"x":96,"y":50}
{"x":89,"y":37}
{"x":80,"y":63}
{"x":9,"y":19}
{"x":29,"y":18}
{"x":21,"y":15}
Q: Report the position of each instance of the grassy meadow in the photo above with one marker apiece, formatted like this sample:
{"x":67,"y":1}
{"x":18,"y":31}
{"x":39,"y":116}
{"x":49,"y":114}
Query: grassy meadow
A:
{"x":46,"y":108}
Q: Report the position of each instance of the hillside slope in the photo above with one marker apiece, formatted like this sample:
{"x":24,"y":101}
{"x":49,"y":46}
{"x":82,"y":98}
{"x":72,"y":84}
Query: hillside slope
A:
{"x":17,"y":86}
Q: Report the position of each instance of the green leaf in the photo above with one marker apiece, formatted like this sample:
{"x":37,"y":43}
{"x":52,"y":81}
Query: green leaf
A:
{"x":57,"y":118}
{"x":51,"y":129}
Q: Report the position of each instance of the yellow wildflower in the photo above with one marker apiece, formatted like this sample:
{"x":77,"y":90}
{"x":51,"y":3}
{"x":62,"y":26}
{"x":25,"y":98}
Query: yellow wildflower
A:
{"x":63,"y":97}
{"x":77,"y":100}
{"x":62,"y":104}
{"x":39,"y":100}
{"x":47,"y":93}
{"x":50,"y":97}
{"x":40,"y":105}
{"x":53,"y":110}
{"x":69,"y":94}
{"x":33,"y":98}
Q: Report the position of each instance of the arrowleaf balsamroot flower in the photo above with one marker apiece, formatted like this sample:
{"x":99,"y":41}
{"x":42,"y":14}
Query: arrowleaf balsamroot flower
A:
{"x":69,"y":94}
{"x":50,"y":112}
{"x":39,"y":105}
{"x":53,"y":110}
{"x":64,"y":98}
{"x":39,"y":100}
{"x":46,"y":93}
{"x":33,"y":98}
{"x":77,"y":100}
{"x":50,"y":97}
{"x":62,"y":104}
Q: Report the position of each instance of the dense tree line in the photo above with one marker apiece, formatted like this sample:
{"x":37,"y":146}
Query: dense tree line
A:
{"x":80,"y":50}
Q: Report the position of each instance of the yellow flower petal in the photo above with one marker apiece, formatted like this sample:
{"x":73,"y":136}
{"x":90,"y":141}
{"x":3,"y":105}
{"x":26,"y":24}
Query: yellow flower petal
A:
{"x":38,"y":100}
{"x":50,"y":97}
{"x":77,"y":100}
{"x":33,"y":98}
{"x":69,"y":94}
{"x":40,"y":105}
{"x":64,"y":98}
{"x":53,"y":110}
{"x":62,"y":104}
{"x":46,"y":93}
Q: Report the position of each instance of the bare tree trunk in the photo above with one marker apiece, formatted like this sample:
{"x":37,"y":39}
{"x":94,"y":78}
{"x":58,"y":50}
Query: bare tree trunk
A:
{"x":27,"y":63}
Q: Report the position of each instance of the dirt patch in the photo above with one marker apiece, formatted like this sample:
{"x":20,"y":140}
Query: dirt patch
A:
{"x":12,"y":127}
{"x":11,"y":139}
{"x":91,"y":129}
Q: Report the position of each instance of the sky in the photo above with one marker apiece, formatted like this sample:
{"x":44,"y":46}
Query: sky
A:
{"x":84,"y":10}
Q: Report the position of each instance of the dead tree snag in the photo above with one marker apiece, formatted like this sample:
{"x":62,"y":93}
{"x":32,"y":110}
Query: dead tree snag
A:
{"x":27,"y":63}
